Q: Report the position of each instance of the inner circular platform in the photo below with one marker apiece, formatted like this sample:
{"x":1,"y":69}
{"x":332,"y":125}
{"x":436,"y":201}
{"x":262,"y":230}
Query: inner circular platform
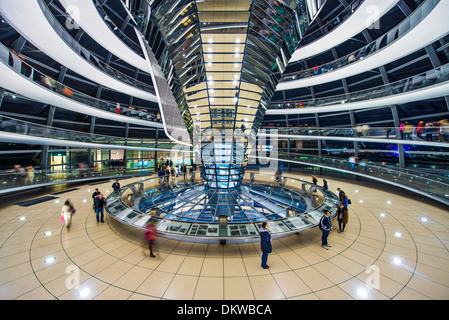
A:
{"x":190,"y":211}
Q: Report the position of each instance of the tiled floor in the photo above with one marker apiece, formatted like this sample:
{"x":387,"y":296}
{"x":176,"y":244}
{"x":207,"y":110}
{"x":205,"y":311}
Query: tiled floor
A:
{"x":108,"y":261}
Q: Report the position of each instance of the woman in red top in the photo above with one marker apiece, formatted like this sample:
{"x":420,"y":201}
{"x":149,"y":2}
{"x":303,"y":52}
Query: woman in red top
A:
{"x":419,"y":129}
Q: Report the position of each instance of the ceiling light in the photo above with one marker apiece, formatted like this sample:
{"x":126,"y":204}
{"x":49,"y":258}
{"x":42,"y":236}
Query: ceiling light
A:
{"x":209,"y":64}
{"x":236,"y":65}
{"x":237,"y":40}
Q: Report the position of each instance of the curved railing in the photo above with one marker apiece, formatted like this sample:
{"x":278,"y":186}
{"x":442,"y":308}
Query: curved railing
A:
{"x":19,"y":65}
{"x":135,"y":46}
{"x":432,"y":186}
{"x":120,"y":206}
{"x":86,"y":55}
{"x":436,"y":131}
{"x":12,"y":125}
{"x":335,"y":22}
{"x":420,"y":81}
{"x":366,"y":51}
{"x":27,"y":178}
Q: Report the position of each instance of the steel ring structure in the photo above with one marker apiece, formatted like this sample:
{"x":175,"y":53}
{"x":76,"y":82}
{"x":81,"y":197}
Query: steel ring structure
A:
{"x":189,"y":211}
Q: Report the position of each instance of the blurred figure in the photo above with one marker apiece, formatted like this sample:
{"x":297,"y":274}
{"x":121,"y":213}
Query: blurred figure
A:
{"x":278,"y":175}
{"x":314,"y":180}
{"x":387,"y":130}
{"x":429,"y":131}
{"x":325,"y":184}
{"x":408,"y":130}
{"x":444,"y":130}
{"x":365,"y":130}
{"x":420,"y":129}
{"x":151,"y":236}
{"x":68,"y":210}
{"x":30,"y":175}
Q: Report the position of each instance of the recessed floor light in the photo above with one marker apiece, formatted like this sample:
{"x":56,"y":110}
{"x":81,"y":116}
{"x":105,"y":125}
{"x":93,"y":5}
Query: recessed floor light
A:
{"x":22,"y":218}
{"x":85,"y":292}
{"x":48,"y":233}
{"x":388,"y":202}
{"x":397,"y":261}
{"x":362,"y":292}
{"x":50,"y":260}
{"x":424,"y":219}
{"x":397,"y":234}
{"x":382,"y":214}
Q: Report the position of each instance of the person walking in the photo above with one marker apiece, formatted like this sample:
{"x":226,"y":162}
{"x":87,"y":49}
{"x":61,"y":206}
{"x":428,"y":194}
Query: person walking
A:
{"x":67,"y":211}
{"x":325,"y":186}
{"x":325,"y":225}
{"x":99,"y":207}
{"x":151,"y":236}
{"x":342,"y":217}
{"x":265,"y":244}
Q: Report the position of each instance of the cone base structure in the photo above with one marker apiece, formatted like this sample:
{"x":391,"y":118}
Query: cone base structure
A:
{"x":223,"y":60}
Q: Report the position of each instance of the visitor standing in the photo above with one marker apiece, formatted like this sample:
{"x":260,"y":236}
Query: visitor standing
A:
{"x":265,"y":244}
{"x":99,"y":207}
{"x":342,"y":217}
{"x":325,"y":225}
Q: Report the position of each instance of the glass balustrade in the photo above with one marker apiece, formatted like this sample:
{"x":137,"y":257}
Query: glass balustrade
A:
{"x":332,"y":24}
{"x":388,"y":38}
{"x":435,"y":185}
{"x":19,"y":65}
{"x":12,"y":125}
{"x":86,"y":55}
{"x":420,"y":81}
{"x":437,"y":131}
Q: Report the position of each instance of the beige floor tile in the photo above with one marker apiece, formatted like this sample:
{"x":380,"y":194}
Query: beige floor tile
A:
{"x":181,"y":288}
{"x":266,"y":288}
{"x":209,"y":288}
{"x":238,"y":288}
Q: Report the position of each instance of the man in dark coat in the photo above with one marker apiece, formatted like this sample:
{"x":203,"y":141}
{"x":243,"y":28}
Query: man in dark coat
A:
{"x":325,"y":226}
{"x":265,"y":244}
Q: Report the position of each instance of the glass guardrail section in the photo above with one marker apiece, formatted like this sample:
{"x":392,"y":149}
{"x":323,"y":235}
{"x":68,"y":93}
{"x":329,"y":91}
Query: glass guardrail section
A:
{"x":332,"y":24}
{"x":420,"y":81}
{"x":383,"y":41}
{"x":12,"y":125}
{"x":135,"y":46}
{"x":436,"y":131}
{"x":19,"y":65}
{"x":431,"y":184}
{"x":86,"y":55}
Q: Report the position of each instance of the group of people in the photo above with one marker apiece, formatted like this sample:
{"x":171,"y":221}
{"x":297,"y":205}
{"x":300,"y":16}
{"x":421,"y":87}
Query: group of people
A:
{"x":426,"y":130}
{"x":325,"y":225}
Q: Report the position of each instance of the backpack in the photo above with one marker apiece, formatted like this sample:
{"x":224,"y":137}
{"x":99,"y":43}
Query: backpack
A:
{"x":319,"y":224}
